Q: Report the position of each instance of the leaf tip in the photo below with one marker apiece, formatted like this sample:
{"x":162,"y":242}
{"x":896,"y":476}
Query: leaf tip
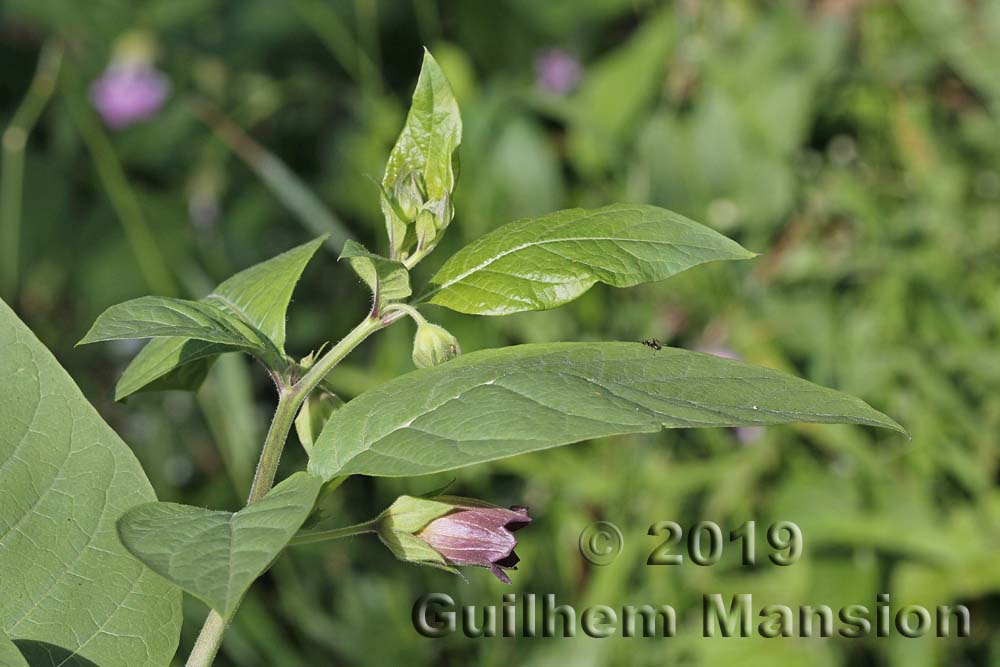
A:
{"x":893,"y":425}
{"x":882,"y":420}
{"x":431,"y":63}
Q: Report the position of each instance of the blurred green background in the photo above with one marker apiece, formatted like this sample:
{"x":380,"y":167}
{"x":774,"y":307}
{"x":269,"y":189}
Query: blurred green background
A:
{"x":855,"y":144}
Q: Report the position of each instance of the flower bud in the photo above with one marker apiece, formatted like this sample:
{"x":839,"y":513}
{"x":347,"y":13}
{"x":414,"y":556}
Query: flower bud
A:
{"x":409,"y":195}
{"x":425,"y":227}
{"x":447,"y":531}
{"x":433,"y":345}
{"x":443,"y":212}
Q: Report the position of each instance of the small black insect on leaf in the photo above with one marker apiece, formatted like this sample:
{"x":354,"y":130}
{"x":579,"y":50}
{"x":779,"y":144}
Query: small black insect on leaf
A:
{"x":653,"y":343}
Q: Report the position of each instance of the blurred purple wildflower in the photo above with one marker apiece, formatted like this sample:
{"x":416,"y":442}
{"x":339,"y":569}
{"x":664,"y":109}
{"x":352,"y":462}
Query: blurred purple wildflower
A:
{"x":128,"y":92}
{"x":557,"y":71}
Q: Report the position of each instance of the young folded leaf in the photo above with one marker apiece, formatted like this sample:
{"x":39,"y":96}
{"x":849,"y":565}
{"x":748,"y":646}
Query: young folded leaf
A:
{"x":541,"y":263}
{"x":68,"y":586}
{"x":212,"y":555}
{"x":497,"y":403}
{"x":388,"y":279}
{"x":259,"y":295}
{"x":422,"y":168}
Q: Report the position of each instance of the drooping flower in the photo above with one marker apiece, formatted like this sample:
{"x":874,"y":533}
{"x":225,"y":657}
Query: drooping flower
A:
{"x":480,"y":536}
{"x":557,"y":71}
{"x":448,"y":531}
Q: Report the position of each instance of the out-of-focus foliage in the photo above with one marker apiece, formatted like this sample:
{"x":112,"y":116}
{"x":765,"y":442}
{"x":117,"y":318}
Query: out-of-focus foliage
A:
{"x":855,"y":144}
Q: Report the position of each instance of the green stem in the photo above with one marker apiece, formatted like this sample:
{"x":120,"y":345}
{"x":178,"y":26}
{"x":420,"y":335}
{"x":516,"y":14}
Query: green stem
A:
{"x":328,"y":361}
{"x":311,"y":536}
{"x":289,"y":401}
{"x":15,"y":139}
{"x":402,"y":308}
{"x":274,"y":444}
{"x":208,"y":641}
{"x":417,"y":255}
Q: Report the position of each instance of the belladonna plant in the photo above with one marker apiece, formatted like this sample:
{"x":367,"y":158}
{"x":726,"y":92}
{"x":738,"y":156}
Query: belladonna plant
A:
{"x":96,"y":566}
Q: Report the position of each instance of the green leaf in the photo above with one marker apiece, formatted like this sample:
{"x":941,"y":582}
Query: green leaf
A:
{"x":65,"y":478}
{"x":313,"y":415}
{"x":261,"y":293}
{"x":165,"y":317}
{"x":541,"y":263}
{"x":227,"y":404}
{"x":10,"y":656}
{"x":388,"y":279}
{"x":169,"y":363}
{"x":497,"y":403}
{"x":258,"y":295}
{"x":42,"y":654}
{"x":427,"y":145}
{"x":214,"y":555}
{"x":431,"y":135}
{"x":185,"y":378}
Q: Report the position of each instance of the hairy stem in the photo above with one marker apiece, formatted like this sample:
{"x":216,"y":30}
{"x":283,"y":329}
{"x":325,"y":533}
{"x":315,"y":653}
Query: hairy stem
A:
{"x":328,"y":361}
{"x":208,"y":641}
{"x":394,"y":311}
{"x":289,"y":401}
{"x":274,"y":444}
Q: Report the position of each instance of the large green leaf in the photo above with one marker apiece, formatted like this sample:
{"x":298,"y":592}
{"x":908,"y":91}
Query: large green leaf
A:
{"x":10,"y":656}
{"x":426,"y":147}
{"x":214,"y":555}
{"x":65,"y":478}
{"x":259,"y":295}
{"x":165,"y":317}
{"x":498,"y":403}
{"x":31,"y":653}
{"x":388,"y":279}
{"x":541,"y":263}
